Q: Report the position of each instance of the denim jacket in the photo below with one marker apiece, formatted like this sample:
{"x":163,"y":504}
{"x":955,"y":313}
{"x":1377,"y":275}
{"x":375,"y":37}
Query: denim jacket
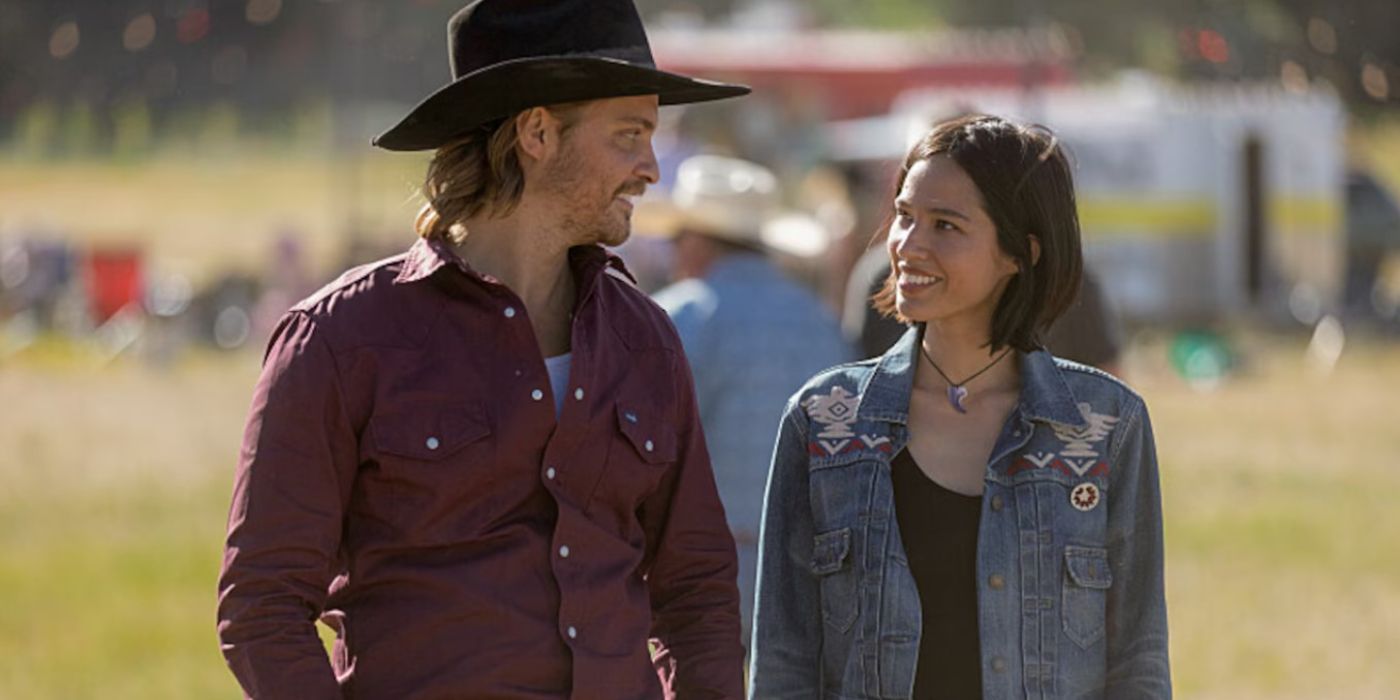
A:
{"x":1069,"y":550}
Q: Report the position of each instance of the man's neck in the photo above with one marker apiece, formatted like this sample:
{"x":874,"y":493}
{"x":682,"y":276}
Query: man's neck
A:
{"x":532,"y":259}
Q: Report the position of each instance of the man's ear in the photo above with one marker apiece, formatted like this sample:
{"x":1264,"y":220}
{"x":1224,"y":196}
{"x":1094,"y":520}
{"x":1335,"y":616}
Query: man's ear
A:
{"x":537,"y":134}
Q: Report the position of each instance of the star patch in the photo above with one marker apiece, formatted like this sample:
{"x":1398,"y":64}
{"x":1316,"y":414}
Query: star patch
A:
{"x":1084,"y":497}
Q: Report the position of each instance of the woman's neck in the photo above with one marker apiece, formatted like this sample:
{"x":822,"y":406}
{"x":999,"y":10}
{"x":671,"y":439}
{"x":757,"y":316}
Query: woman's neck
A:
{"x":959,"y":352}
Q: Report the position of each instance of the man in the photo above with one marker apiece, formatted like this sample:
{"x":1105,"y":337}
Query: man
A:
{"x":753,"y":337}
{"x":480,"y":462}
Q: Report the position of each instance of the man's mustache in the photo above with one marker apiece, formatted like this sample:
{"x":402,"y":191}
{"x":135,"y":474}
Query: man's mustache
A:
{"x":636,"y":188}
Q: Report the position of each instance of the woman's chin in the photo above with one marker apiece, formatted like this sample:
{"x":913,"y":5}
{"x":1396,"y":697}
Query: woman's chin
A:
{"x":914,"y":312}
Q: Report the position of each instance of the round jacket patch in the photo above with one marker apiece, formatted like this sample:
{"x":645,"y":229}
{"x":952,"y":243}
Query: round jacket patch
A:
{"x":1084,"y":496}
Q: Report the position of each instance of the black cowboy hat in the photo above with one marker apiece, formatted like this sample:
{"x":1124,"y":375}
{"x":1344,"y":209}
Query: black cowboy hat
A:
{"x":510,"y":55}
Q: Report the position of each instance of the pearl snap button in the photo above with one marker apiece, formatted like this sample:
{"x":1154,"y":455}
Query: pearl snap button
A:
{"x":537,"y":395}
{"x":433,"y":443}
{"x":510,"y":312}
{"x":578,"y":393}
{"x":573,"y":633}
{"x":564,"y":551}
{"x":549,"y":473}
{"x":649,"y":446}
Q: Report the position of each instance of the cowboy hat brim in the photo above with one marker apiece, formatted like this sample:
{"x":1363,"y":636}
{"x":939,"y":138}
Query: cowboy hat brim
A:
{"x":509,"y":87}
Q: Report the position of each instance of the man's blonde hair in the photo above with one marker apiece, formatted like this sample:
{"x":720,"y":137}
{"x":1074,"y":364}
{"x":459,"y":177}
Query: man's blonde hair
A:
{"x":478,"y":173}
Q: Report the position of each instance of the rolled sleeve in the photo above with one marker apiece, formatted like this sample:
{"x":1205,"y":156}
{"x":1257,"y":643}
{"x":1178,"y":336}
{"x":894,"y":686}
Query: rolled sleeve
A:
{"x":290,"y":492}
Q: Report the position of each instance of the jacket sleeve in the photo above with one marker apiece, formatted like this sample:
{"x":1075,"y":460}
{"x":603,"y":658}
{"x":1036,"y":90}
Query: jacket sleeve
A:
{"x":1137,"y":608}
{"x":290,"y":491}
{"x":692,"y":568}
{"x":787,"y":634}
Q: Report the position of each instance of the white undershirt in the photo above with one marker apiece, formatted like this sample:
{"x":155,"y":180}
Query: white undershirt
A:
{"x":558,"y":378}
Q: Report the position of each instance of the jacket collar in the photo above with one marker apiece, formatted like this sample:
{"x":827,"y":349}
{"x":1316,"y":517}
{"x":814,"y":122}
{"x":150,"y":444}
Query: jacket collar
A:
{"x":1045,"y":395}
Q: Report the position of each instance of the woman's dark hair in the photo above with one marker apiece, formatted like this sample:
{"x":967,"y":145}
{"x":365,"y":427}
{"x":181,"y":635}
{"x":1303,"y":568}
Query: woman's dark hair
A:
{"x":1027,"y":189}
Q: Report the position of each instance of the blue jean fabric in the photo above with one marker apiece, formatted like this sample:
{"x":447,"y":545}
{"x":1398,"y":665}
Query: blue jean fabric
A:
{"x":1069,"y":562}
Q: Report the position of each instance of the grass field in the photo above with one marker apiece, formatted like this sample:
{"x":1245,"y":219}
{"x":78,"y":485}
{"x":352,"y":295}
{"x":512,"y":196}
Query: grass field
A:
{"x":1280,"y":487}
{"x":1283,"y":539}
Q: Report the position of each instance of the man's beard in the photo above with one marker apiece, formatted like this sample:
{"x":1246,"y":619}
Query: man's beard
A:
{"x":588,"y":216}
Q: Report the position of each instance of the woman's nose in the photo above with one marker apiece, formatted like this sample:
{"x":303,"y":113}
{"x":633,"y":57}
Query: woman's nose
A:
{"x":908,"y":245}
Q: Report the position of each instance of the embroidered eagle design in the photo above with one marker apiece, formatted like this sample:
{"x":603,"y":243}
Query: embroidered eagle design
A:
{"x":1079,"y":442}
{"x":836,"y":413}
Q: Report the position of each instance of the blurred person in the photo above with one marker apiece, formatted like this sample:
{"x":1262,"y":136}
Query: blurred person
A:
{"x":967,"y":516}
{"x":480,"y":461}
{"x":285,"y":282}
{"x":1088,"y":332}
{"x":752,"y":335}
{"x":1372,"y":234}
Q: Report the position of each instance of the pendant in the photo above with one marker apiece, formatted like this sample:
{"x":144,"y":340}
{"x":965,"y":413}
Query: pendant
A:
{"x":956,"y":394}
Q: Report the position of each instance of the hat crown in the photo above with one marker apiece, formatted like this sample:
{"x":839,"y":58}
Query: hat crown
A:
{"x":489,"y":32}
{"x":707,"y":180}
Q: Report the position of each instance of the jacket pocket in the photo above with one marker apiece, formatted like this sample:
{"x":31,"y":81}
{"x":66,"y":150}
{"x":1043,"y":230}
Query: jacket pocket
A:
{"x":831,"y":554}
{"x":1087,"y":580}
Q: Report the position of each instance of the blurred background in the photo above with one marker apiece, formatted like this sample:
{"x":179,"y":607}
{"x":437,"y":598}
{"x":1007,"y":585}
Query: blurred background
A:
{"x":175,"y":173}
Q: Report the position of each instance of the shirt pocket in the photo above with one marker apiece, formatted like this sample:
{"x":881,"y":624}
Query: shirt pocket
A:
{"x":437,"y":461}
{"x":831,"y":561}
{"x":642,"y":447}
{"x":1086,"y":584}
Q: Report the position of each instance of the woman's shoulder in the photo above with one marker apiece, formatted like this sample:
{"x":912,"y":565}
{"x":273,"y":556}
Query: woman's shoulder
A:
{"x":1102,"y":389}
{"x":847,"y":375}
{"x":843,"y":382}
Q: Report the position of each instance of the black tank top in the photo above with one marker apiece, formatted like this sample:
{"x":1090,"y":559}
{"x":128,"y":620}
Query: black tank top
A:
{"x":939,"y":529}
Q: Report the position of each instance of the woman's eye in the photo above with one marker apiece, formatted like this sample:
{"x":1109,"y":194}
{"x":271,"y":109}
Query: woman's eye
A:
{"x":945,"y":225}
{"x":903,"y":217}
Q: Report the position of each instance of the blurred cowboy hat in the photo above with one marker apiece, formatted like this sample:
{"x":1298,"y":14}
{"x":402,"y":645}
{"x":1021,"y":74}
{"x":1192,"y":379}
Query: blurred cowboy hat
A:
{"x":511,"y":55}
{"x":733,"y":200}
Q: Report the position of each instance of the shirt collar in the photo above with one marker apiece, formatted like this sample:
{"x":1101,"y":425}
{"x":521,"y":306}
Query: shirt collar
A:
{"x":428,"y":255}
{"x":1045,"y":395}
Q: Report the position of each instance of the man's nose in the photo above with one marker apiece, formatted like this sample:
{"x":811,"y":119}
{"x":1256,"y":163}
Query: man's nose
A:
{"x":649,"y":170}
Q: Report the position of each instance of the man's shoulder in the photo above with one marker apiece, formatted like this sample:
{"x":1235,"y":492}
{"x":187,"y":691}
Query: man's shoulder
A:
{"x":364,"y":305}
{"x":638,"y":320}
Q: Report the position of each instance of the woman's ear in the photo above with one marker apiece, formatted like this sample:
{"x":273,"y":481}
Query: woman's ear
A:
{"x":1035,"y":250}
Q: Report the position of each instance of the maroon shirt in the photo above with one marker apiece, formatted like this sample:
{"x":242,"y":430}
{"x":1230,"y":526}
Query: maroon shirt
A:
{"x":404,"y":478}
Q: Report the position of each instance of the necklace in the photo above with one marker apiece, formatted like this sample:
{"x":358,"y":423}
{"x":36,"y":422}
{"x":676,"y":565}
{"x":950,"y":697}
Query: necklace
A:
{"x":957,"y":391}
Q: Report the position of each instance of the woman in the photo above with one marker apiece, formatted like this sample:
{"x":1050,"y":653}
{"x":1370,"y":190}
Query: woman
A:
{"x":966,"y":516}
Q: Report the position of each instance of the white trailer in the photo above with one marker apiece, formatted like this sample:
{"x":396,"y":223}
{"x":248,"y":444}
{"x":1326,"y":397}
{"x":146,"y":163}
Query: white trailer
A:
{"x":1196,"y":203}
